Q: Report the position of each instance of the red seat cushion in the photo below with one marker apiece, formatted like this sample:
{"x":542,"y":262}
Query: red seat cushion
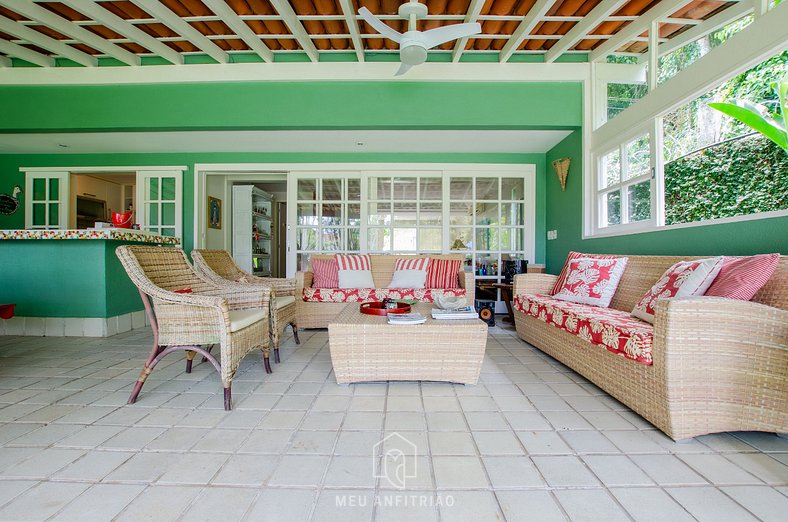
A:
{"x":615,"y":330}
{"x":360,"y":295}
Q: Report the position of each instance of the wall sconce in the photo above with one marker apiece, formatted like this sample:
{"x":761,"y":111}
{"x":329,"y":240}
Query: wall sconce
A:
{"x":561,"y":168}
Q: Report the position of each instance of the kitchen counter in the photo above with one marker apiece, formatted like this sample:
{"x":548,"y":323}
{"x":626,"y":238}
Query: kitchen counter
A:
{"x":117,"y":234}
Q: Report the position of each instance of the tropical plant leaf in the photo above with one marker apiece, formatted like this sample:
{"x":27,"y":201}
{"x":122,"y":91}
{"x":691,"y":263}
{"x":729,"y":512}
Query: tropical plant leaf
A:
{"x":757,"y":117}
{"x":782,"y":95}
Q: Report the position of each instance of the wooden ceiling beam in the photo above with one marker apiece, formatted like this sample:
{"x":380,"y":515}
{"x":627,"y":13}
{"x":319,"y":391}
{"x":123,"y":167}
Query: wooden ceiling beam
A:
{"x":240,"y":28}
{"x":17,"y":51}
{"x":36,"y":12}
{"x":352,"y":25}
{"x":532,"y":17}
{"x":717,"y":21}
{"x":109,"y":19}
{"x":182,"y":27}
{"x":474,"y":10}
{"x":290,"y":19}
{"x":5,"y":61}
{"x":589,"y":22}
{"x":633,"y":30}
{"x":45,"y":42}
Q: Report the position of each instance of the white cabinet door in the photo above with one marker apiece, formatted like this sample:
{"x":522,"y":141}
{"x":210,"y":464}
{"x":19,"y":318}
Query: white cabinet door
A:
{"x":159,"y":198}
{"x":46,"y":200}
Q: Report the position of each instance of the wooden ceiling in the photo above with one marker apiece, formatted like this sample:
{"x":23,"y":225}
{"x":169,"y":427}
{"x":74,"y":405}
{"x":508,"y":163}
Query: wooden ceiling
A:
{"x":227,"y":31}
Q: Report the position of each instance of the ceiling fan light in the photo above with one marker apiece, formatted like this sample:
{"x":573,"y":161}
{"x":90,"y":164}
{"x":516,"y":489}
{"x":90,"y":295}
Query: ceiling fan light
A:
{"x":413,"y":55}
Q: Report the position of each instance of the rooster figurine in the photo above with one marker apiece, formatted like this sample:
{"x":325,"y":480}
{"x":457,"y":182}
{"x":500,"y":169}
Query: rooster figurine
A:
{"x":9,"y":204}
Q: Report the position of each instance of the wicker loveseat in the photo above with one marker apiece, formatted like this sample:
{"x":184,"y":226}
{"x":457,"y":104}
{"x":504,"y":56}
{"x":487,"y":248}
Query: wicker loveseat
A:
{"x":716,"y":364}
{"x":315,"y":308}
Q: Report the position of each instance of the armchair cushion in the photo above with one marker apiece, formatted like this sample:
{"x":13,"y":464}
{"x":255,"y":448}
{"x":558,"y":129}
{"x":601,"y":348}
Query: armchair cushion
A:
{"x":283,"y":301}
{"x":240,"y":319}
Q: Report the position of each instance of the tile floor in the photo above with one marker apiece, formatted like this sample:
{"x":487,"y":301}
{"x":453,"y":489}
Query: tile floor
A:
{"x":532,"y":441}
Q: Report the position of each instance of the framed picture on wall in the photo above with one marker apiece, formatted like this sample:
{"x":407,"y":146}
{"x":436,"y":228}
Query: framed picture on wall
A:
{"x":214,"y":213}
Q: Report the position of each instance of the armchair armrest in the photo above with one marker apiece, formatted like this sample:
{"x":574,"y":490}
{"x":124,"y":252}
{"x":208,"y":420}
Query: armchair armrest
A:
{"x":533,"y":283}
{"x":240,"y":296}
{"x":282,"y":285}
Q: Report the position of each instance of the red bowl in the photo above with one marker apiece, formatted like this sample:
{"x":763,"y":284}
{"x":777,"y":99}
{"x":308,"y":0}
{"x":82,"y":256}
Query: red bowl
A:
{"x":376,"y":308}
{"x":121,"y":220}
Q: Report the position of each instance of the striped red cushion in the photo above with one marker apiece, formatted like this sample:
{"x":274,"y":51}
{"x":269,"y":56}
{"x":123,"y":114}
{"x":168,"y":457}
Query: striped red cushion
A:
{"x":412,"y":263}
{"x":442,"y":273}
{"x":742,"y":277}
{"x":353,"y":262}
{"x":559,"y":283}
{"x":326,"y":273}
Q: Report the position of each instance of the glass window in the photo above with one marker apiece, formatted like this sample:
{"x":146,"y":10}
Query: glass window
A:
{"x":625,"y":183}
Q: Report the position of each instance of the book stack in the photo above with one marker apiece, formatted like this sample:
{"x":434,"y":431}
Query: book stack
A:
{"x":412,"y":318}
{"x":466,"y":312}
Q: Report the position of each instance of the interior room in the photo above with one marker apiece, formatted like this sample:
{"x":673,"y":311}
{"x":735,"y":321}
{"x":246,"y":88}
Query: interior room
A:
{"x":376,"y":260}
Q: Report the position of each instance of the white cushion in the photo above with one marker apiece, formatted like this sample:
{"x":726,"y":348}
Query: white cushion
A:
{"x":240,"y":319}
{"x":356,"y":279}
{"x":408,"y":279}
{"x":283,"y":301}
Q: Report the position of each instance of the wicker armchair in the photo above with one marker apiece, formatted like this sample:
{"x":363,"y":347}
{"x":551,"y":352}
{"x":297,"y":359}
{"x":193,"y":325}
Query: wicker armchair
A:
{"x":219,"y":267}
{"x":233,"y":316}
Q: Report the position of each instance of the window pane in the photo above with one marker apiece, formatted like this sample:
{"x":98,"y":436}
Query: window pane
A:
{"x":512,"y":214}
{"x":332,"y":214}
{"x":306,"y":214}
{"x":354,"y":214}
{"x":487,"y":238}
{"x":611,"y":169}
{"x":168,"y":214}
{"x":354,"y":190}
{"x":307,"y":189}
{"x":169,"y":232}
{"x":153,"y":213}
{"x":354,"y":239}
{"x":430,"y":213}
{"x":620,"y":96}
{"x":431,"y":188}
{"x":512,"y":188}
{"x":153,"y":188}
{"x":405,"y":239}
{"x":405,"y":213}
{"x":405,"y":188}
{"x":613,"y":208}
{"x":430,"y":239}
{"x":306,"y":238}
{"x":332,"y":240}
{"x":461,"y":214}
{"x":39,"y":189}
{"x":512,"y":239}
{"x":39,"y":214}
{"x":332,"y":189}
{"x":461,"y":188}
{"x":54,"y":216}
{"x":54,"y":188}
{"x":487,"y":188}
{"x":486,"y":213}
{"x":638,"y":157}
{"x":168,"y":189}
{"x":380,"y":188}
{"x":378,"y":239}
{"x":379,"y":214}
{"x":487,"y":265}
{"x":639,"y":201}
{"x":461,"y":238}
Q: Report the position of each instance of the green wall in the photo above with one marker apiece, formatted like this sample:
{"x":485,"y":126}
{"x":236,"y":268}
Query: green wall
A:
{"x":565,"y":214}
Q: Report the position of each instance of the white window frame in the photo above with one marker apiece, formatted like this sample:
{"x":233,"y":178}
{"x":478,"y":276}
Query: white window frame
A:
{"x":64,"y":192}
{"x":142,"y":200}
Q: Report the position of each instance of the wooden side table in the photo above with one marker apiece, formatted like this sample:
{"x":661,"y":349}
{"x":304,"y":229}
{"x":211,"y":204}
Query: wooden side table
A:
{"x":506,"y":296}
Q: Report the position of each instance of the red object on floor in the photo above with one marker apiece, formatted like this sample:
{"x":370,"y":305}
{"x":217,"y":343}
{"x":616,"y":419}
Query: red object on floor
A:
{"x":7,"y":311}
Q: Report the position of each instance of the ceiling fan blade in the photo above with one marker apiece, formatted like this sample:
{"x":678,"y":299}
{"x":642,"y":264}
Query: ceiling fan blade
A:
{"x":447,"y":33}
{"x":403,"y":68}
{"x":379,"y":26}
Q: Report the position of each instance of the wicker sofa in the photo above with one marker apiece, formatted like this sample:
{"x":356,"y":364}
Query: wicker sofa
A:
{"x":718,"y":364}
{"x":317,"y":314}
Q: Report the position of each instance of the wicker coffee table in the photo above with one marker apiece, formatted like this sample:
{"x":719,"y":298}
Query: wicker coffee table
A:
{"x":366,"y":348}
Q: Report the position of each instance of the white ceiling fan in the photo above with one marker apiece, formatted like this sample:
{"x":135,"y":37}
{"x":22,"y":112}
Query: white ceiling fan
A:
{"x":413,"y":44}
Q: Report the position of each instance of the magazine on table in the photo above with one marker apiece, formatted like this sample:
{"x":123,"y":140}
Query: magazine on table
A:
{"x":411,"y":318}
{"x":466,"y":312}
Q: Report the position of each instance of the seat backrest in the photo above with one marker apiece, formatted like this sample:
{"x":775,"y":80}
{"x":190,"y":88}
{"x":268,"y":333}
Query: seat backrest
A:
{"x":382,"y":265}
{"x":162,"y":266}
{"x":220,"y":262}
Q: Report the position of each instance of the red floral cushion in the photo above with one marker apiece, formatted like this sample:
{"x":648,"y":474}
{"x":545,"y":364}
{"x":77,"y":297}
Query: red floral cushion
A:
{"x":442,"y":273}
{"x":615,"y":330}
{"x":685,"y":278}
{"x":592,"y":281}
{"x":325,"y":273}
{"x":742,"y":277}
{"x":360,"y":295}
{"x":571,"y":256}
